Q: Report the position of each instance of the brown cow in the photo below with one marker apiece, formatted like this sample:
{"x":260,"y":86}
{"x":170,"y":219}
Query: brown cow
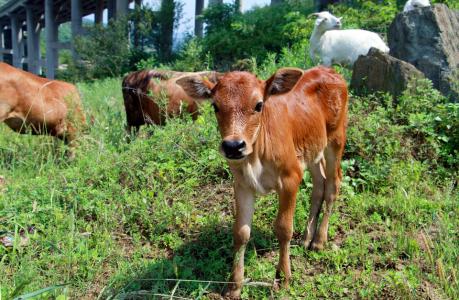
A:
{"x":151,"y":95}
{"x":30,"y":102}
{"x":272,"y":130}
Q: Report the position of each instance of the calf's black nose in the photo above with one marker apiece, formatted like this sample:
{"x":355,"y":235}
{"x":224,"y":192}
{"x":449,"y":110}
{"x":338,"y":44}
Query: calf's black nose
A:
{"x":233,"y":148}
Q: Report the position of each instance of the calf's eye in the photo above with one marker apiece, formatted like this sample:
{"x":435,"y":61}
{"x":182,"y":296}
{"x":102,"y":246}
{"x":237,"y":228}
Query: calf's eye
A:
{"x":215,"y":107}
{"x":259,"y":106}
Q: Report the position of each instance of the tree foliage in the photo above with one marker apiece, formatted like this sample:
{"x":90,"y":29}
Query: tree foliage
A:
{"x":231,"y":36}
{"x":105,"y":50}
{"x":117,"y":47}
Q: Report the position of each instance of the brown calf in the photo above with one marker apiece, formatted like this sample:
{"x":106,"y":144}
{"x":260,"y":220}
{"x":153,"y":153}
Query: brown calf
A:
{"x":142,"y":92}
{"x":44,"y":106}
{"x":272,"y":130}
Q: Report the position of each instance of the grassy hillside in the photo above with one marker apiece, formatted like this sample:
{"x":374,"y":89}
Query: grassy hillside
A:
{"x":153,"y":217}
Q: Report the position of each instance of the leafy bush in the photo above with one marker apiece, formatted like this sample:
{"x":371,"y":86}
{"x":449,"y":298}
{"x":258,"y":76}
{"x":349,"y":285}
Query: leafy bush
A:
{"x":420,"y":126}
{"x":104,"y":50}
{"x":365,"y":14}
{"x":453,"y":4}
{"x":231,"y":35}
{"x":192,"y":57}
{"x":116,"y":48}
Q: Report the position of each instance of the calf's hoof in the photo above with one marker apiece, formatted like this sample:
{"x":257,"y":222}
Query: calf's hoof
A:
{"x":307,"y":244}
{"x":233,"y":291}
{"x":317,"y":246}
{"x":70,"y":154}
{"x":280,"y":282}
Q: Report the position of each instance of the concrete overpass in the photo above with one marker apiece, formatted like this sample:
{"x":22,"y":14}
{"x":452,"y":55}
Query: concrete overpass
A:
{"x":22,"y":21}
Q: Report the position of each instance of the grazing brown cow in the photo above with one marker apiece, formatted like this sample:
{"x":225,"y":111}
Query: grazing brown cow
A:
{"x":272,"y":130}
{"x":144,"y":93}
{"x":30,"y":102}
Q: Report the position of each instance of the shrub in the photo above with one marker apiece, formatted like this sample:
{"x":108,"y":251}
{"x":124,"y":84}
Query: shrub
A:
{"x":368,"y":15}
{"x":104,"y":50}
{"x":114,"y":49}
{"x":231,"y":35}
{"x":421,"y":126}
{"x":192,"y":57}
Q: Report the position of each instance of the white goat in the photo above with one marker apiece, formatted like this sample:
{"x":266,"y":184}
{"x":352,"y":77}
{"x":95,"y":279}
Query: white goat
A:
{"x":340,"y":46}
{"x":413,"y":4}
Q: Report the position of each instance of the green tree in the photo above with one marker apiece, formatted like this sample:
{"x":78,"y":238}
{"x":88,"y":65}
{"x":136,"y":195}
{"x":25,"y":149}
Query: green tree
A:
{"x":168,"y":17}
{"x":104,"y":50}
{"x":231,"y":35}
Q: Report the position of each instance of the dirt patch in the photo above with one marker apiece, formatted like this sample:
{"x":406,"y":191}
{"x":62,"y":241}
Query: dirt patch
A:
{"x":127,"y":248}
{"x":99,"y":282}
{"x":216,"y":198}
{"x":426,"y":237}
{"x":214,"y":296}
{"x":340,"y":236}
{"x":125,"y":243}
{"x":428,"y":291}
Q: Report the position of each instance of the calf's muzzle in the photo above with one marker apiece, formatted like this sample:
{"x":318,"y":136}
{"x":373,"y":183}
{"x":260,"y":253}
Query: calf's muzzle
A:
{"x":233,"y":149}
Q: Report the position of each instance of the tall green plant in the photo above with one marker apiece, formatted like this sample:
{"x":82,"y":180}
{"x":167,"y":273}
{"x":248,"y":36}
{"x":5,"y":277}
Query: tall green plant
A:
{"x":168,"y":17}
{"x":104,"y":50}
{"x":231,"y":36}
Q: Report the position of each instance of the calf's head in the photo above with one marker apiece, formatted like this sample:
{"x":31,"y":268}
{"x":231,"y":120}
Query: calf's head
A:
{"x":238,"y":99}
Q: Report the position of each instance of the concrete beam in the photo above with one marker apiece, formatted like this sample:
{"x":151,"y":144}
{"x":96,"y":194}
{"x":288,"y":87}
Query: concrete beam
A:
{"x":16,"y":40}
{"x":111,"y":8}
{"x":33,"y":44}
{"x":99,"y":14}
{"x":6,"y":51}
{"x":198,"y":26}
{"x":76,"y":17}
{"x":77,"y":21}
{"x":61,"y":45}
{"x":122,"y":7}
{"x":2,"y":43}
{"x":51,"y":29}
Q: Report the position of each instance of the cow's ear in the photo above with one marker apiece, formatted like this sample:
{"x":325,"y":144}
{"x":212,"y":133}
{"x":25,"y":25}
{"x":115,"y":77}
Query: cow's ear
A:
{"x":196,"y":87}
{"x":282,"y":81}
{"x":214,"y":77}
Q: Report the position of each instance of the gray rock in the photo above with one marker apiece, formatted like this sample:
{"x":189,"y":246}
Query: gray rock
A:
{"x":378,"y":71}
{"x":428,"y":38}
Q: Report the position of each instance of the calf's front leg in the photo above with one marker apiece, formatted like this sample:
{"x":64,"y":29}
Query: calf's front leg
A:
{"x":241,"y":234}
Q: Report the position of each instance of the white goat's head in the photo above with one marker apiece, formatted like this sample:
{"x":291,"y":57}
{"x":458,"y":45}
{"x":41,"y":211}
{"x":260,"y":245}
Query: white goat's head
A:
{"x":326,"y":21}
{"x":413,"y":4}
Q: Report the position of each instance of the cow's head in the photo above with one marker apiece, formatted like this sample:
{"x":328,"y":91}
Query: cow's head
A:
{"x":238,"y":99}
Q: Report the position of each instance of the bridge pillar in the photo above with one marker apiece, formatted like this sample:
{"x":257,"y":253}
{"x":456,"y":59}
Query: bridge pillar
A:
{"x":51,"y":30}
{"x":198,"y":24}
{"x":111,"y":7}
{"x":16,"y":40}
{"x":76,"y":19}
{"x":99,"y":15}
{"x":33,"y":43}
{"x":2,"y":42}
{"x":122,"y":7}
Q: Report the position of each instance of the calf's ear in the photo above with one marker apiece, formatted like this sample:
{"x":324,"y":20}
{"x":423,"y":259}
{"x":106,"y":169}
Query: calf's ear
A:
{"x":282,"y":81}
{"x":214,"y":76}
{"x":196,"y":87}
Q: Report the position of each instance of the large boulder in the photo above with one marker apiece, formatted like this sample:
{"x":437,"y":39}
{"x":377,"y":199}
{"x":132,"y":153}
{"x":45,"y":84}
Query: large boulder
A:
{"x":378,"y":71}
{"x":428,"y":38}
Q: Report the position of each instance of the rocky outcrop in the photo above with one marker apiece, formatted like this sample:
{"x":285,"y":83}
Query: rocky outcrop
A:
{"x":378,"y":71}
{"x":428,"y":38}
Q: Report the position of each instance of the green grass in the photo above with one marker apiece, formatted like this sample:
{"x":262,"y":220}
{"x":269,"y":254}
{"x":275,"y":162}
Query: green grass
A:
{"x":153,"y":217}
